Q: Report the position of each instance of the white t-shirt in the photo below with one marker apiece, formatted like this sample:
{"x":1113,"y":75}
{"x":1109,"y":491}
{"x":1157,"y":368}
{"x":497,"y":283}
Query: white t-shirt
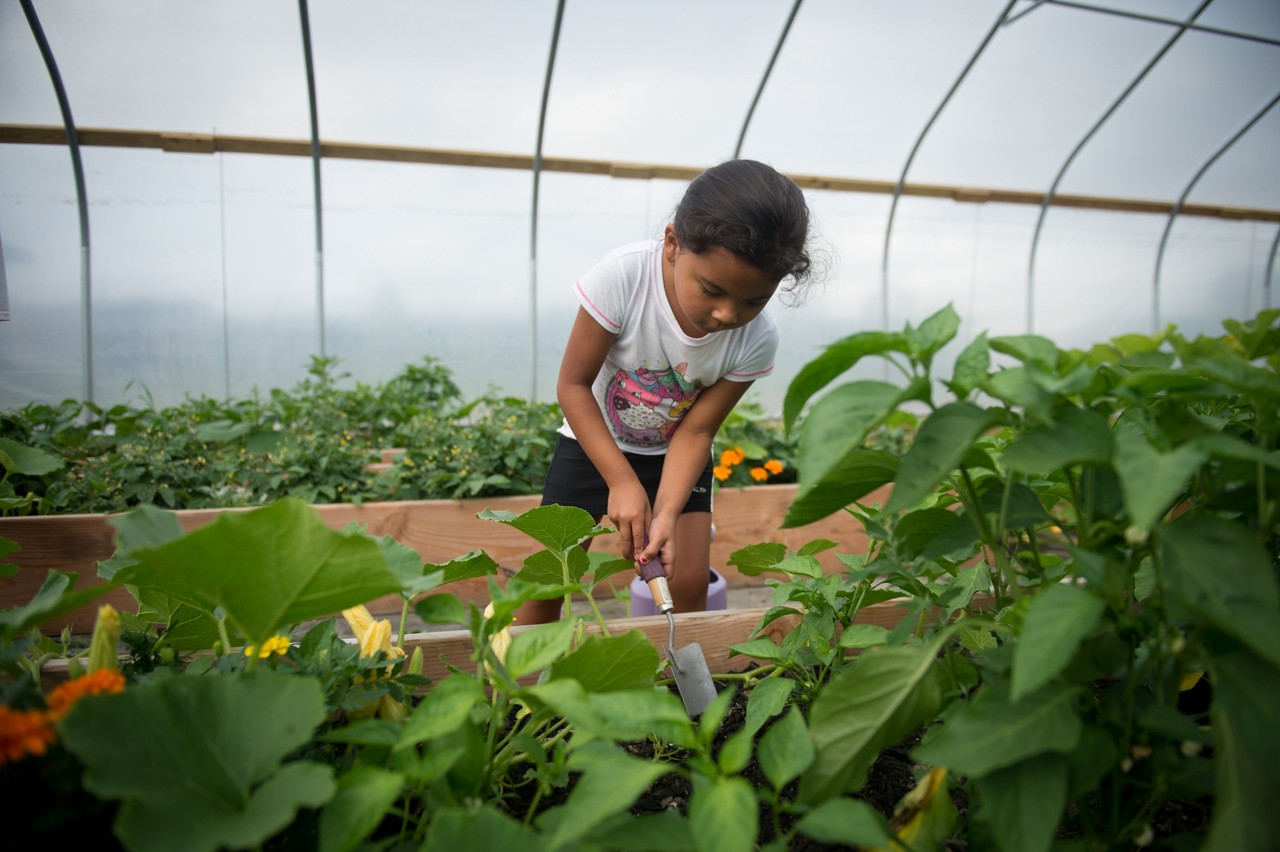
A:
{"x":654,"y":371}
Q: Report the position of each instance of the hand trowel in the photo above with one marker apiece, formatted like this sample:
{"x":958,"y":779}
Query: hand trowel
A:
{"x":693,"y":678}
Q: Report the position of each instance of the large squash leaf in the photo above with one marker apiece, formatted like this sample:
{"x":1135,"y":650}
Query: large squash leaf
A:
{"x":209,"y":772}
{"x":265,"y":569}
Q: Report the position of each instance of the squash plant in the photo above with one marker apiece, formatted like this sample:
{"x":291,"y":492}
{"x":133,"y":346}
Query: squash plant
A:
{"x":1086,"y":543}
{"x":209,"y":746}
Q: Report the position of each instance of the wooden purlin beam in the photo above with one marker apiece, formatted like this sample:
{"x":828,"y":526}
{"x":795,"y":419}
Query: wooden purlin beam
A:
{"x":203,"y":143}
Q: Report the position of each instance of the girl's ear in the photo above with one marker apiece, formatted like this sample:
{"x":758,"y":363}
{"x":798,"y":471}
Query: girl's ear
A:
{"x":670,"y":244}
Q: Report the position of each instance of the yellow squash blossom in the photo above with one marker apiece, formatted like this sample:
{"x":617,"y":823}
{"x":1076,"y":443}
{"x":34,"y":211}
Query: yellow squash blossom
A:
{"x":374,"y":636}
{"x":498,"y":642}
{"x":104,"y":647}
{"x":274,"y":645}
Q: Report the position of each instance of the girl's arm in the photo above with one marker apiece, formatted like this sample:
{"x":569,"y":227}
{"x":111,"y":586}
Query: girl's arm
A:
{"x":628,"y":508}
{"x":687,"y":455}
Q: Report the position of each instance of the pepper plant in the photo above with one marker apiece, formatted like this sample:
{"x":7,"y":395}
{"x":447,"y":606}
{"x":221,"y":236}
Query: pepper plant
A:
{"x":1086,"y":543}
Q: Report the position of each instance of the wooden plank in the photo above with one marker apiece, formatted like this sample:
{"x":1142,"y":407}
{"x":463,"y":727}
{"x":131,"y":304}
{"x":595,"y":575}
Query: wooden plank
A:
{"x":440,"y":530}
{"x":209,"y":143}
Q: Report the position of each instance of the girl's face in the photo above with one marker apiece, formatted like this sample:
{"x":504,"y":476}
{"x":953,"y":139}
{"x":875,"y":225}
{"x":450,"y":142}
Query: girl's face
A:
{"x":713,"y":291}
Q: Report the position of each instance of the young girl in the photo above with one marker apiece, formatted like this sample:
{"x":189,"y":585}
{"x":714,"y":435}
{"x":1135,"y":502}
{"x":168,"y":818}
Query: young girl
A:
{"x":668,"y":337}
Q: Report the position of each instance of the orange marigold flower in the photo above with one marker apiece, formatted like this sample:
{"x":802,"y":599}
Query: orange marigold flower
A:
{"x":773,"y":466}
{"x":731,"y":456}
{"x":66,"y":694}
{"x":721,"y":472}
{"x":23,"y":732}
{"x":759,"y":474}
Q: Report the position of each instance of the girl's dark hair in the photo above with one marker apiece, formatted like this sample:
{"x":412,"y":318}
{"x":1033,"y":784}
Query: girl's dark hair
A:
{"x":752,"y":211}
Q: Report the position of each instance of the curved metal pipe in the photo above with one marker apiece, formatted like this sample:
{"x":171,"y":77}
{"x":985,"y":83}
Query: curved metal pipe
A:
{"x":1053,"y":188}
{"x":786,"y":28}
{"x":1177,"y":207}
{"x":533,"y":224}
{"x":1271,"y":267}
{"x":1155,"y":19}
{"x":315,"y":168}
{"x":902,"y":178}
{"x":82,"y":198}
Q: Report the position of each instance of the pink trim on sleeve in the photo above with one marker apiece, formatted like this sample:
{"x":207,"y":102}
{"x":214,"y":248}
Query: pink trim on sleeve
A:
{"x":740,"y":376}
{"x":591,"y":306}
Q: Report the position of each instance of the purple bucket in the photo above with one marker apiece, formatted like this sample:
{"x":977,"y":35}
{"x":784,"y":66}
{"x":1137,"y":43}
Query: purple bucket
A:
{"x":642,"y":598}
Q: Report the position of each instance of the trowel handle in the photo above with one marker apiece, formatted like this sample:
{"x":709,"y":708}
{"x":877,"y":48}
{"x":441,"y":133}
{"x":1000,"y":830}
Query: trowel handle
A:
{"x":653,"y":574}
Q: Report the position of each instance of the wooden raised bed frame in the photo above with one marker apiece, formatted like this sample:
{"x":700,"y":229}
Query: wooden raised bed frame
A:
{"x":440,"y":530}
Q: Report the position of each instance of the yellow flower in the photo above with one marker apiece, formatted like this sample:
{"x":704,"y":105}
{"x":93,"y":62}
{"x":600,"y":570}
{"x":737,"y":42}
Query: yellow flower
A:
{"x":498,"y":642}
{"x":721,"y":472}
{"x":773,"y":466}
{"x":759,"y":474}
{"x":374,"y":636}
{"x":64,"y":696}
{"x":104,"y":647}
{"x":274,"y":645}
{"x":23,"y":732}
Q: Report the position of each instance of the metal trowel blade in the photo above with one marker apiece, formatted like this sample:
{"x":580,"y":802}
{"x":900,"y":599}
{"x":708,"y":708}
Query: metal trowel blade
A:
{"x":693,"y":678}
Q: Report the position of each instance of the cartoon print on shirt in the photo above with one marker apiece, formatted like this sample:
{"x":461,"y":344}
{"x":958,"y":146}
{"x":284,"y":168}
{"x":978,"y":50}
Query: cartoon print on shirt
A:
{"x":645,"y":406}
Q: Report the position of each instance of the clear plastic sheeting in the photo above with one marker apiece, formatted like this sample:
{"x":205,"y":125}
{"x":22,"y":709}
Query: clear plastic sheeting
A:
{"x":205,"y":275}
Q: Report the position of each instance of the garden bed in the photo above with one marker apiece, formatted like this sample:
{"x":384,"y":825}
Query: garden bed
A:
{"x":440,"y":530}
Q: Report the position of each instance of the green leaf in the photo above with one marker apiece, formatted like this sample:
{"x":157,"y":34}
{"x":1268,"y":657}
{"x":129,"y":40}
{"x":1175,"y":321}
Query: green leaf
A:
{"x":209,"y":771}
{"x":934,"y":333}
{"x":1077,"y":436}
{"x":839,"y":424}
{"x":605,"y":565}
{"x":365,"y":794}
{"x":786,"y":750}
{"x":1220,"y":572}
{"x":761,"y":649}
{"x":990,"y":732}
{"x":442,"y":711}
{"x":755,"y":559}
{"x":943,"y":439}
{"x":858,"y":473}
{"x":469,"y":566}
{"x":971,"y":367}
{"x":544,"y":568}
{"x":1022,"y":804}
{"x":1029,"y":349}
{"x":835,"y":360}
{"x":768,"y":698}
{"x":851,"y":822}
{"x":1246,"y":742}
{"x":1021,"y":387}
{"x":441,"y":609}
{"x":609,"y":663}
{"x":1059,"y":618}
{"x":538,"y":647}
{"x":28,"y":461}
{"x":885,"y":695}
{"x":1151,"y":480}
{"x":723,"y":815}
{"x":406,"y":565}
{"x":55,"y":597}
{"x":611,"y":780}
{"x":556,"y":528}
{"x":484,"y":827}
{"x":219,"y":431}
{"x":267,"y":568}
{"x":863,"y":636}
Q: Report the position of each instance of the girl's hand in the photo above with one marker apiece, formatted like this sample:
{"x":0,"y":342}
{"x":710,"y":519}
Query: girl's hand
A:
{"x":662,"y":542}
{"x":630,"y":512}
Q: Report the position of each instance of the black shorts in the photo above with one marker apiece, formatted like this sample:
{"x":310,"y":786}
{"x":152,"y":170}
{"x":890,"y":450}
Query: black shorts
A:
{"x":572,"y":480}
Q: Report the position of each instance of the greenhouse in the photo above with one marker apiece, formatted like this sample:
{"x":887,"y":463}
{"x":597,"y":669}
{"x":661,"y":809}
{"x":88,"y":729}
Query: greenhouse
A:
{"x":293,"y":297}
